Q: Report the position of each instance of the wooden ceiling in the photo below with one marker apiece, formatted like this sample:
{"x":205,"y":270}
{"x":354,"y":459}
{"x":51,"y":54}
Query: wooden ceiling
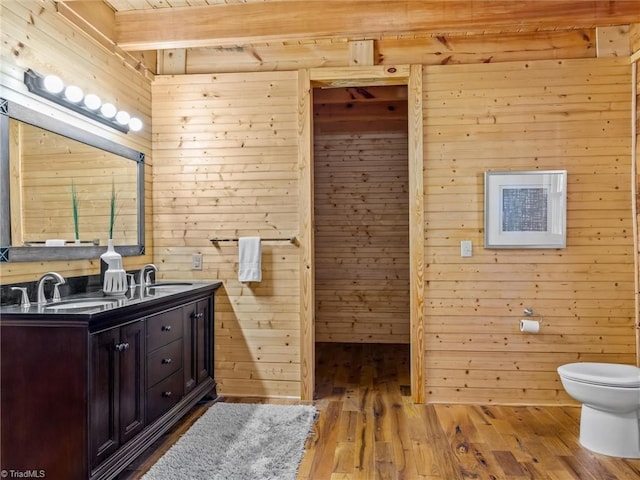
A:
{"x":360,"y":109}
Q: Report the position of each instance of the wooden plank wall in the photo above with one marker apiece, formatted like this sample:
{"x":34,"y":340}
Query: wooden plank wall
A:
{"x":228,"y":167}
{"x":636,"y":204}
{"x":569,"y":114}
{"x":635,"y":52}
{"x":35,"y":36}
{"x":362,"y":237}
{"x":226,"y":156}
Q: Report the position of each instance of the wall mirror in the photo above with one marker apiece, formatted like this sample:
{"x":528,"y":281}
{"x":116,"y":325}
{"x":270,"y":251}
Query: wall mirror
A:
{"x":58,"y":183}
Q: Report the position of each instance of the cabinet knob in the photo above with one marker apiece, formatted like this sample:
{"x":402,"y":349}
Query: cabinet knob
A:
{"x":166,"y":360}
{"x":121,"y":346}
{"x":166,"y":328}
{"x":166,"y":394}
{"x":195,"y":315}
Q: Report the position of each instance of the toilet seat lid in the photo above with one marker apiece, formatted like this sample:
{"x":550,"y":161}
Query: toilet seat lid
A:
{"x":612,"y":374}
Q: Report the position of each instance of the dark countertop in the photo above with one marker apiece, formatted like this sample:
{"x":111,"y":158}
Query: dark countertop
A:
{"x":135,"y":302}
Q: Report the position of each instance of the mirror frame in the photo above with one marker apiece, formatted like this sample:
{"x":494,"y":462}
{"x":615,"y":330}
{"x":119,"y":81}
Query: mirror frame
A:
{"x":9,"y":253}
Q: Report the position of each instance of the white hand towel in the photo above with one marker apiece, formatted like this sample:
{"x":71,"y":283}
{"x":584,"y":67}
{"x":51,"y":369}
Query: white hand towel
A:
{"x":249,"y":259}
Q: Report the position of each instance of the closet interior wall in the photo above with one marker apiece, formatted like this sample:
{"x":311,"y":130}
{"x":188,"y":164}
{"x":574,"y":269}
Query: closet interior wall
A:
{"x":361,"y":215}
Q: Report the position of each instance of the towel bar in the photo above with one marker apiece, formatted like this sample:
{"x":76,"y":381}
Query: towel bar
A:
{"x":292,"y":240}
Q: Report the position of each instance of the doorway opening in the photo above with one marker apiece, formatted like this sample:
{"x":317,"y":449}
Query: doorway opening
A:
{"x":361,"y":221}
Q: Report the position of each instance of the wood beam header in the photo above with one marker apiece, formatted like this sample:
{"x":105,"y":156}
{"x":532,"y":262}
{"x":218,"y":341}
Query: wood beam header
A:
{"x":224,"y":24}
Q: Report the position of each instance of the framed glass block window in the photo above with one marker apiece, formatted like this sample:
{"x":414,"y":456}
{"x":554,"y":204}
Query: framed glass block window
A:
{"x":525,"y":209}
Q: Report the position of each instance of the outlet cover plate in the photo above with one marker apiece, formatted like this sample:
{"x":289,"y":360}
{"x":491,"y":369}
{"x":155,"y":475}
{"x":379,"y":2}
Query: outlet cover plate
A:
{"x":196,"y":261}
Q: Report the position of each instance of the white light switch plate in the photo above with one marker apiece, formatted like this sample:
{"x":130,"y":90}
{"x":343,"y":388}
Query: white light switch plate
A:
{"x":466,"y":248}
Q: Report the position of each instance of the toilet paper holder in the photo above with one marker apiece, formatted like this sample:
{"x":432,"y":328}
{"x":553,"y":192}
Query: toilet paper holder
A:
{"x":531,"y":324}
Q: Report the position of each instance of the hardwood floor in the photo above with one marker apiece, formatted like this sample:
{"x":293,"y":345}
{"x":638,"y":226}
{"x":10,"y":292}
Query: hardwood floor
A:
{"x":368,"y":428}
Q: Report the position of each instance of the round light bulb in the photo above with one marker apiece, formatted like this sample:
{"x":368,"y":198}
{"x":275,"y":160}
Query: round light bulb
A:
{"x":73,"y":94}
{"x":92,"y":101}
{"x":123,"y":117}
{"x":135,"y":124}
{"x":53,"y":84}
{"x":108,"y":110}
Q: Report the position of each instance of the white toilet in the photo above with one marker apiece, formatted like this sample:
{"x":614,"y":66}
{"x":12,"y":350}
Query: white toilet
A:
{"x":610,"y":396}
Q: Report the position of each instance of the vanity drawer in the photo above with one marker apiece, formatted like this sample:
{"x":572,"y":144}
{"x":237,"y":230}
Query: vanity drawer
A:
{"x":163,"y":362}
{"x":164,"y":395}
{"x":164,"y":328}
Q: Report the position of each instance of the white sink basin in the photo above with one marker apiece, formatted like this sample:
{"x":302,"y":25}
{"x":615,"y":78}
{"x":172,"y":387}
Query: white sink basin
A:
{"x":82,"y":303}
{"x":169,"y":284}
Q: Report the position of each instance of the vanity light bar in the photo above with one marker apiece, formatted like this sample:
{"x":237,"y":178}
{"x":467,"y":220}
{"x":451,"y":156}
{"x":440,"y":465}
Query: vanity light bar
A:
{"x":73,"y":98}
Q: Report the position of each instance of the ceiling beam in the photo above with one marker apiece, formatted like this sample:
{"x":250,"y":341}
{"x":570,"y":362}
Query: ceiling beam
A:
{"x":240,"y":23}
{"x":97,"y":20}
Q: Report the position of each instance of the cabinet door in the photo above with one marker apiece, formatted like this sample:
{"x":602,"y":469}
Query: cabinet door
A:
{"x":189,"y":364}
{"x":131,"y":358}
{"x":198,"y":343}
{"x":117,"y":389}
{"x":204,"y":340}
{"x":104,"y":397}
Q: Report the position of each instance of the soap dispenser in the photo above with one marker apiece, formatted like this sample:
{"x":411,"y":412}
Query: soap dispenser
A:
{"x":115,"y":277}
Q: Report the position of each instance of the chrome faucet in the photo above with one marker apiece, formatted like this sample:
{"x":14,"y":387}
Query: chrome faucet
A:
{"x":24,"y":303}
{"x":144,"y":280}
{"x":42,"y":299}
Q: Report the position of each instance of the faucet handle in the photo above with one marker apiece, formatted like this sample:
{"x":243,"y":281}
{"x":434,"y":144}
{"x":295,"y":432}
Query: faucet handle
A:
{"x":144,"y":276}
{"x":25,"y":303}
{"x":56,"y":292}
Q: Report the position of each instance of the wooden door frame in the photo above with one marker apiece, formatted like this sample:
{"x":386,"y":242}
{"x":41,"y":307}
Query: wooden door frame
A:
{"x":378,"y":75}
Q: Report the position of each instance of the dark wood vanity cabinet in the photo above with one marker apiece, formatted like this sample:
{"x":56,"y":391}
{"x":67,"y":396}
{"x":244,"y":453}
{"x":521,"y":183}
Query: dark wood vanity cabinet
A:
{"x":117,"y":402}
{"x":198,"y":353}
{"x":84,"y":395}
